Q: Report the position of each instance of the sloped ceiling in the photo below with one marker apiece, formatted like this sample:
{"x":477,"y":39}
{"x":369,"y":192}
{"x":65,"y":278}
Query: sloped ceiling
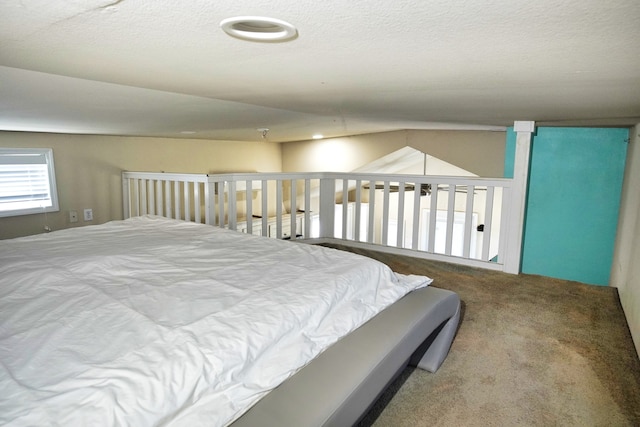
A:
{"x":408,"y":160}
{"x":164,"y":68}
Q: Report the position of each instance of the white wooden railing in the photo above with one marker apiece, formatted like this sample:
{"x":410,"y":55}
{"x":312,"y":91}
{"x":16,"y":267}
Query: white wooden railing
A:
{"x":455,"y":219}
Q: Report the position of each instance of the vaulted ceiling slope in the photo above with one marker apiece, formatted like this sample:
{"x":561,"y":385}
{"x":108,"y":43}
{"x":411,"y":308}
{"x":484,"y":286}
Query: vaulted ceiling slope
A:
{"x":165,"y":68}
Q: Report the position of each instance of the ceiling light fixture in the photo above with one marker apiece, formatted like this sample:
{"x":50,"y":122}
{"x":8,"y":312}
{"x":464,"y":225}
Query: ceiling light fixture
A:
{"x":263,"y":132}
{"x":259,"y":29}
{"x":317,"y":136}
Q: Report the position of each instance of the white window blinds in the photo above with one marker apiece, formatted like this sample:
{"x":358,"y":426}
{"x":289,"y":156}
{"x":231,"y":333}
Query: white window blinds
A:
{"x":27,"y":181}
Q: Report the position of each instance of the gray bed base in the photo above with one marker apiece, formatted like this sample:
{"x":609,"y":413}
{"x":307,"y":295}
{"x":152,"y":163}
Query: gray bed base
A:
{"x":339,"y":386}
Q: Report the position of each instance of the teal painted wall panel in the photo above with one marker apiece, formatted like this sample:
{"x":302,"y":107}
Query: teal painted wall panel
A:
{"x":573,"y":201}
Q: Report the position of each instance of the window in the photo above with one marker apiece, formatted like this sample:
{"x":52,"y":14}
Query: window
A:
{"x":27,"y":181}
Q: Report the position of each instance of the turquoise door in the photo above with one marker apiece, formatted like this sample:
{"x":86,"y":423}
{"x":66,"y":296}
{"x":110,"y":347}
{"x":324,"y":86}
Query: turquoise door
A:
{"x":575,"y":182}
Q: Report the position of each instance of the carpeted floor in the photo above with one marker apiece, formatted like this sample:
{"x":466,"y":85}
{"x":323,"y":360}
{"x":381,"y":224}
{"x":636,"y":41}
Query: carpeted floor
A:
{"x":530,"y":351}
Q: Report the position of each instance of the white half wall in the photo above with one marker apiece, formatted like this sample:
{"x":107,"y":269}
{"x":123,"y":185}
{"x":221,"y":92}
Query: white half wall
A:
{"x":625,"y":273}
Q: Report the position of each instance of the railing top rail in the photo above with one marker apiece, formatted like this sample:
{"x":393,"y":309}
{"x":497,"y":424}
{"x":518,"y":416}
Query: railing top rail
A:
{"x":457,"y":180}
{"x":256,"y":176}
{"x":163,"y":176}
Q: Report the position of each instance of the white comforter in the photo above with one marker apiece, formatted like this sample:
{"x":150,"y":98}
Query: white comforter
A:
{"x":152,"y":321}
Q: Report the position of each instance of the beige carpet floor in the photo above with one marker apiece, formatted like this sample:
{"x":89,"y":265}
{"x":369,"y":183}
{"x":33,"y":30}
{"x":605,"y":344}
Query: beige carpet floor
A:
{"x":530,"y":351}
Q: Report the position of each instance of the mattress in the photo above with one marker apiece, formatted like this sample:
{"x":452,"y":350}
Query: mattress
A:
{"x":152,"y":321}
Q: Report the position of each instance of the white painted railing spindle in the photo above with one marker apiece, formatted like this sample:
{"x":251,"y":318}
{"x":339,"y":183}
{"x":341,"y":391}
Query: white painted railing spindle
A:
{"x":417,"y":193}
{"x":468,"y":222}
{"x":400,"y":229}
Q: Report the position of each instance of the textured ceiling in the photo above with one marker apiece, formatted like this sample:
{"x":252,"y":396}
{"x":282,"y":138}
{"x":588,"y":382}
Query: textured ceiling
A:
{"x":161,"y":68}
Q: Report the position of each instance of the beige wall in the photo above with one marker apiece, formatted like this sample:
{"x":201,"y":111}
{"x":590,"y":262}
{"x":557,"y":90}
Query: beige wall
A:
{"x":88,"y":170}
{"x":625,"y":273}
{"x":479,"y":152}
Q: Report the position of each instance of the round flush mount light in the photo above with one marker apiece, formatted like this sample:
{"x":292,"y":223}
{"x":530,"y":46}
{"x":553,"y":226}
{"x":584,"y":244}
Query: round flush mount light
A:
{"x":259,"y":29}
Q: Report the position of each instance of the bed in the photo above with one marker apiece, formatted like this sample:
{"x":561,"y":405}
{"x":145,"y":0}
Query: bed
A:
{"x":155,"y":321}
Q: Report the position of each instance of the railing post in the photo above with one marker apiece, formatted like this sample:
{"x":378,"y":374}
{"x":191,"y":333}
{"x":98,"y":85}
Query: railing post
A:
{"x":327,"y":206}
{"x":518,"y":197}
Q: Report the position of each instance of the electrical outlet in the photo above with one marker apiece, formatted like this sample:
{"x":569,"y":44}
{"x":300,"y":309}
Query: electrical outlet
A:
{"x":73,"y":216}
{"x":88,"y":214}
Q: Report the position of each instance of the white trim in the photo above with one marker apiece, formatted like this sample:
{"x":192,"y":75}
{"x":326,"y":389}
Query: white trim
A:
{"x":517,"y":198}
